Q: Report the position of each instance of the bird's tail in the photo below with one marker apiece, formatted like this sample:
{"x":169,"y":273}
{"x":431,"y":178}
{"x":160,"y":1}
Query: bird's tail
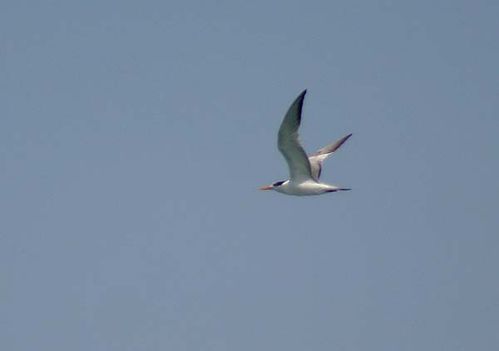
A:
{"x":334,"y":189}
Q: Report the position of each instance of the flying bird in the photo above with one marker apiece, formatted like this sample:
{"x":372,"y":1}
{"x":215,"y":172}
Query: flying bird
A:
{"x":304,"y":171}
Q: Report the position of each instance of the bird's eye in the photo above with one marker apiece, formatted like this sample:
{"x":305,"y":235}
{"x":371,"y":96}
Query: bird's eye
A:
{"x":278,"y":183}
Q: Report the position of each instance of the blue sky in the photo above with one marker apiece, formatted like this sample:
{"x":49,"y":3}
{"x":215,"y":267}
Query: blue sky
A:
{"x":133,"y":137}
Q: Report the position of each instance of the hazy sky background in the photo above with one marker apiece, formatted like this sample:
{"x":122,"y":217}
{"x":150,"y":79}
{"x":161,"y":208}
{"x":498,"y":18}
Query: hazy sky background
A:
{"x":133,"y":137}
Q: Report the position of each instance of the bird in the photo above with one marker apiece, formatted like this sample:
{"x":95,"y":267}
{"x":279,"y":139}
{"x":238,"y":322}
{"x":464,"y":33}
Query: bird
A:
{"x":304,"y":171}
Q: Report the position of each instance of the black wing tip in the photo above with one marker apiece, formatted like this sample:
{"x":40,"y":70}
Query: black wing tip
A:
{"x":299,"y":102}
{"x":302,"y":95}
{"x":345,"y":138}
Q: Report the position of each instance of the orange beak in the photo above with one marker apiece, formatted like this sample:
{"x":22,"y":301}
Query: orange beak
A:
{"x":266,"y":187}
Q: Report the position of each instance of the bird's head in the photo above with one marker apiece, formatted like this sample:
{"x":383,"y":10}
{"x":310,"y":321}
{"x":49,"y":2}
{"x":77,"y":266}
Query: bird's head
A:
{"x":273,"y":186}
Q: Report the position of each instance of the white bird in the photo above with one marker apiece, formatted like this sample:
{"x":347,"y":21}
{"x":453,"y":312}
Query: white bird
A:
{"x":304,"y":171}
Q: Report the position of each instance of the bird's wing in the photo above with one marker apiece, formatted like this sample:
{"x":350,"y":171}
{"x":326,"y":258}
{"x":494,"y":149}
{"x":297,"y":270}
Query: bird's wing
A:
{"x":320,"y":155}
{"x":289,"y":144}
{"x":328,"y":149}
{"x":316,"y":166}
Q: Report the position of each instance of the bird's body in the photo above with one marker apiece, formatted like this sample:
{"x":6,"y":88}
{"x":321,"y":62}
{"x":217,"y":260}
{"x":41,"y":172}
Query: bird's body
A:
{"x":308,"y":187}
{"x":304,"y":170}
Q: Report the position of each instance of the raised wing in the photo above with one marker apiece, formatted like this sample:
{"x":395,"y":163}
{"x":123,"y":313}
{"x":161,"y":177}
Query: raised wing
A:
{"x":289,"y":144}
{"x":320,"y":155}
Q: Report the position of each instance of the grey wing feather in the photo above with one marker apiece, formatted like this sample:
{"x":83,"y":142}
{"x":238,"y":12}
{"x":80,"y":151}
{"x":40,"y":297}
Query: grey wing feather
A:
{"x":320,"y":155}
{"x":316,"y":167}
{"x":332,"y":147}
{"x":289,"y":144}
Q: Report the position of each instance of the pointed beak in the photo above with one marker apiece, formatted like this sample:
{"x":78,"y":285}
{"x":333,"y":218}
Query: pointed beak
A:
{"x":266,"y":187}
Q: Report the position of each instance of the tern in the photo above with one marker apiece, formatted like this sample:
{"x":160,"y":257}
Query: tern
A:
{"x":304,"y":171}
